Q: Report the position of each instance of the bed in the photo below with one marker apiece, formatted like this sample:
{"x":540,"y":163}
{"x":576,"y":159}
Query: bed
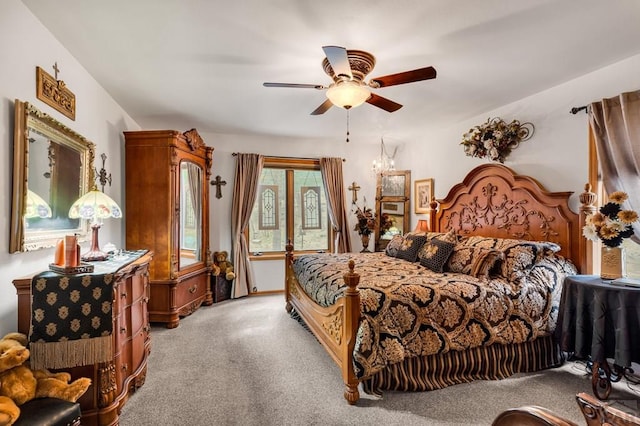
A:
{"x":392,"y":321}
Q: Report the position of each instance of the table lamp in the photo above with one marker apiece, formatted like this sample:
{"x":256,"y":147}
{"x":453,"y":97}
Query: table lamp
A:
{"x":422,"y":226}
{"x":94,"y":205}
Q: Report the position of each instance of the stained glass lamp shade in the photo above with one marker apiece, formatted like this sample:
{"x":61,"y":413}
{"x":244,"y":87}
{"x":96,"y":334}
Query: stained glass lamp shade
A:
{"x":95,"y":206}
{"x":36,"y":206}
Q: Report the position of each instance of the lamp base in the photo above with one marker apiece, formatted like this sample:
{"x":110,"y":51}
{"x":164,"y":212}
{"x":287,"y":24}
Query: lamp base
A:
{"x":94,"y":254}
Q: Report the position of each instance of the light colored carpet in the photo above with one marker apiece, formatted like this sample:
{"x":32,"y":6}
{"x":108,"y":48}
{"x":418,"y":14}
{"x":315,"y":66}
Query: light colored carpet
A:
{"x":246,"y":362}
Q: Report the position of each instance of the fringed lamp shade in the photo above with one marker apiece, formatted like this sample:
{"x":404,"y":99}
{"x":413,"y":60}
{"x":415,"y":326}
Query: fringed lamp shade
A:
{"x":36,"y":206}
{"x":95,"y":205}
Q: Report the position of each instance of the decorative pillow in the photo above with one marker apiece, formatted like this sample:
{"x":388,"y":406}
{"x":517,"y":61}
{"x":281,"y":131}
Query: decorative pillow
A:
{"x":521,"y":255}
{"x":463,"y":259}
{"x":485,"y":261}
{"x":394,"y":245}
{"x":518,"y":256}
{"x":435,"y":254}
{"x":450,"y":237}
{"x":411,"y":245}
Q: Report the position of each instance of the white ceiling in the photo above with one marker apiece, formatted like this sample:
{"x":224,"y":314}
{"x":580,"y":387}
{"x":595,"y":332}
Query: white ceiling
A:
{"x":200,"y":63}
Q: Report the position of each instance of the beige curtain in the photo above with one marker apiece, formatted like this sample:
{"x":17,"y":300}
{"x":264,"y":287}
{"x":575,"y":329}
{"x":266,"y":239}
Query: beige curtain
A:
{"x":331,"y":169}
{"x":616,"y":126}
{"x":245,"y":190}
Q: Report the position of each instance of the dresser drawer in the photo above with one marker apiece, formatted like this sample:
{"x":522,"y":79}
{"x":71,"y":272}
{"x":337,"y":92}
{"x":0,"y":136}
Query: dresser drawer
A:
{"x":192,"y":289}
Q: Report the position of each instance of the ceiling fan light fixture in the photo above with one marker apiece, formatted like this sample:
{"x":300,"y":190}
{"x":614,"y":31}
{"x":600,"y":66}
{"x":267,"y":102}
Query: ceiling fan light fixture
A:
{"x":348,"y":94}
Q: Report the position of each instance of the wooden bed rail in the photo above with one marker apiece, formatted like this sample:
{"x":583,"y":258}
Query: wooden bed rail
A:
{"x":336,"y":326}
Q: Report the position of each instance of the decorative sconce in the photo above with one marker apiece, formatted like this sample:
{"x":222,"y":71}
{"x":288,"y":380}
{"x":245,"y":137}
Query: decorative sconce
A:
{"x":102,"y":175}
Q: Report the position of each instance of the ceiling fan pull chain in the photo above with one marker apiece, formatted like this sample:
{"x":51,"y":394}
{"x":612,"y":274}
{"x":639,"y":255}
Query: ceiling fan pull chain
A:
{"x":347,"y":126}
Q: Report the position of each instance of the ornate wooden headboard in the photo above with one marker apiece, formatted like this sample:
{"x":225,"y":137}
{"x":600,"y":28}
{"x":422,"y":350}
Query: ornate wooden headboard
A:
{"x":494,"y":201}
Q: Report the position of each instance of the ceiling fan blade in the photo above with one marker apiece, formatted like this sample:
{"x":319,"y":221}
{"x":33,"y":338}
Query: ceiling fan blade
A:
{"x":295,"y":85}
{"x":404,"y":77}
{"x":322,"y":108}
{"x":339,"y":60}
{"x":384,"y":103}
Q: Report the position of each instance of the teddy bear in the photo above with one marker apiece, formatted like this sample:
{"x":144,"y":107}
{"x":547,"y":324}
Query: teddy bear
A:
{"x":20,"y":384}
{"x":222,"y":265}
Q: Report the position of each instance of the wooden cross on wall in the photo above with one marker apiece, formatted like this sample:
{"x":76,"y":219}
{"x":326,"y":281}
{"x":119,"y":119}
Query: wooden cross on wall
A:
{"x":218,"y":184}
{"x":354,"y":188}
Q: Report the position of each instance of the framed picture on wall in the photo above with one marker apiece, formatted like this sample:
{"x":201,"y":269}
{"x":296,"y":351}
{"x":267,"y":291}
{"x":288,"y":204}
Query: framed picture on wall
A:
{"x":422,"y":194}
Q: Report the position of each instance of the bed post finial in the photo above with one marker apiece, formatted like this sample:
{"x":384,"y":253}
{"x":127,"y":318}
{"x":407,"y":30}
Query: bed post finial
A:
{"x":433,"y":210}
{"x":587,"y":200}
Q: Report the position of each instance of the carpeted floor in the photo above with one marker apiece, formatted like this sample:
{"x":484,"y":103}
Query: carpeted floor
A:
{"x":246,"y":362}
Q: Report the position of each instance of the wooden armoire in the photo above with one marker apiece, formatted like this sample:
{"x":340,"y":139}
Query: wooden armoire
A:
{"x":167,"y":211}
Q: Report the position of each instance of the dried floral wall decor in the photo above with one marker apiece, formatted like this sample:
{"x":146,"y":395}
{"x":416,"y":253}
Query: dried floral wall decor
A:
{"x":495,"y":138}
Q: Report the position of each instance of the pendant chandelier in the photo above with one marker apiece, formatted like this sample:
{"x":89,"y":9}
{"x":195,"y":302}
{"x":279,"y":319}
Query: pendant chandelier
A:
{"x":385,"y":163}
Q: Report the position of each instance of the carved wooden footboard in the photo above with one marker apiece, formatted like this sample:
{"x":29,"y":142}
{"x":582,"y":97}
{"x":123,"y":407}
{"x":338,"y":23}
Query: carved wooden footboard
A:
{"x":335,"y":327}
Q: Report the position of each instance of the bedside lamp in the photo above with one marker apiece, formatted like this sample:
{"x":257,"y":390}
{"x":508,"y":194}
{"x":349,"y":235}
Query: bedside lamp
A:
{"x":422,"y":226}
{"x":94,"y":205}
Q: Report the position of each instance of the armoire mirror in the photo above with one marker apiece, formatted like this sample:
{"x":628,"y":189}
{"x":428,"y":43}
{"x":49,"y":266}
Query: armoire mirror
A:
{"x":52,"y":167}
{"x":191,"y":176}
{"x":393,"y":194}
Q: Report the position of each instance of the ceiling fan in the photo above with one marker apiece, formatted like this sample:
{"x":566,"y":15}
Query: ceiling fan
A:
{"x":348,"y":68}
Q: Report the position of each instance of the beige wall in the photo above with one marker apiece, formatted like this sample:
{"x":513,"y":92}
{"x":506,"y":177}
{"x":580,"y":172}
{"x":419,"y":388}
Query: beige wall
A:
{"x":25,"y":44}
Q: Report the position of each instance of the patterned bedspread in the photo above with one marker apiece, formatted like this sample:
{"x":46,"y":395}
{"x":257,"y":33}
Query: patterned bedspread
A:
{"x":408,"y":310}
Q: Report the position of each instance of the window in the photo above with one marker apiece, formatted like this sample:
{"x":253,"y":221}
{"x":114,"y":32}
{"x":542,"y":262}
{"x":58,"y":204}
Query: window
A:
{"x":632,"y":255}
{"x":631,"y":248}
{"x":291,"y":205}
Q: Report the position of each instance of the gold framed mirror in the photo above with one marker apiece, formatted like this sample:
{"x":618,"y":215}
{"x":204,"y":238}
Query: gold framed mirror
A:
{"x":52,"y":167}
{"x":393,"y":194}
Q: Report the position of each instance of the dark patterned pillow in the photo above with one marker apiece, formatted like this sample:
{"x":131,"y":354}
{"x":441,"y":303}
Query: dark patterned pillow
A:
{"x":394,"y":245}
{"x":462,"y":258}
{"x":518,"y":256}
{"x":435,"y":254}
{"x":485,"y":261}
{"x":411,"y":245}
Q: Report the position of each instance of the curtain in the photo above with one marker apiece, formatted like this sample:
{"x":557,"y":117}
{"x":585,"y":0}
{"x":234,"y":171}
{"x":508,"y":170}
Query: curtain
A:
{"x":331,"y":169}
{"x":245,"y":190}
{"x":615,"y":123}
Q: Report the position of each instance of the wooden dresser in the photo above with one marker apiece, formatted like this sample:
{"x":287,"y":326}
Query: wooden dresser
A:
{"x":167,"y":210}
{"x":112,"y":381}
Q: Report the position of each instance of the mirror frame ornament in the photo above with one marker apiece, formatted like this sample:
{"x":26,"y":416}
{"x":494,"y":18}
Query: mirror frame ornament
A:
{"x":27,"y":116}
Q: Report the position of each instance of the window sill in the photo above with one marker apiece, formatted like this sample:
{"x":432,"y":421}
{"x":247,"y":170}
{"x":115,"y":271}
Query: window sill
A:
{"x":269,"y":256}
{"x":278,"y":256}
